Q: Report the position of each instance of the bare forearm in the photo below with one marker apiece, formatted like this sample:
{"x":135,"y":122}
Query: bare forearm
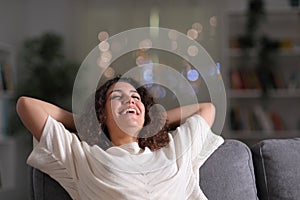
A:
{"x":34,"y":113}
{"x":178,"y":115}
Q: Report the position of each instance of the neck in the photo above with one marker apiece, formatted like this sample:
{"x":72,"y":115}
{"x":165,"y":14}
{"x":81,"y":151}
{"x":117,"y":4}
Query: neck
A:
{"x":119,"y":140}
{"x":120,"y":137}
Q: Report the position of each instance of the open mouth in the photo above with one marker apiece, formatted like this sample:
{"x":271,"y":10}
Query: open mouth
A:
{"x":129,"y":111}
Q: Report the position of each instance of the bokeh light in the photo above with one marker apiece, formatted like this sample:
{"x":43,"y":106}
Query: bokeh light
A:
{"x":192,"y":33}
{"x":109,"y":72}
{"x":173,"y":35}
{"x":106,"y":56}
{"x":148,"y":75}
{"x":192,"y":50}
{"x":104,"y":46}
{"x":103,"y":35}
{"x":101,"y":63}
{"x":157,"y":91}
{"x":174,"y":45}
{"x":213,"y":21}
{"x":145,"y":44}
{"x":140,"y":60}
{"x":198,"y":27}
{"x":192,"y":75}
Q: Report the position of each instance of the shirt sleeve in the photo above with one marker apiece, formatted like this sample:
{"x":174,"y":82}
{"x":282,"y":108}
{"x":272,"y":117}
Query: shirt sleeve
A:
{"x":54,"y":155}
{"x":197,"y":139}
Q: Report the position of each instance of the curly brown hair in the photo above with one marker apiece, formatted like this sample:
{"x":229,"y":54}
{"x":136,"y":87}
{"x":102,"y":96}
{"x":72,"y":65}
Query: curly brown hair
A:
{"x":146,"y":137}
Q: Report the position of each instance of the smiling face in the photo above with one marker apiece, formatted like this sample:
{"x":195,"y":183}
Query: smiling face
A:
{"x":124,"y":110}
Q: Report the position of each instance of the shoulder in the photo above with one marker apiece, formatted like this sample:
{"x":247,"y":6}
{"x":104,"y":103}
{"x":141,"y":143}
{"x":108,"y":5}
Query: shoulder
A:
{"x":55,"y":133}
{"x":195,"y":121}
{"x":194,"y":127}
{"x":53,"y":126}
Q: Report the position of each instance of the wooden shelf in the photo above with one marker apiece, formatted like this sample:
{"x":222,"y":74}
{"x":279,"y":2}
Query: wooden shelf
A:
{"x":245,"y":93}
{"x":295,"y":51}
{"x":256,"y":93}
{"x":262,"y":134}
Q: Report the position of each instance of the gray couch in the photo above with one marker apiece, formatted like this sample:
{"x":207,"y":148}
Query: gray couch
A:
{"x":268,"y":170}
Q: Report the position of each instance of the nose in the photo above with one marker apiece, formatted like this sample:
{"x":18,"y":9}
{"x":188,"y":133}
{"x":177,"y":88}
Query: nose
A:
{"x":129,"y":100}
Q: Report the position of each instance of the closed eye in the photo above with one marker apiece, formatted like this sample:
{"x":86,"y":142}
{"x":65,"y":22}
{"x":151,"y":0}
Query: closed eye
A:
{"x":136,"y":97}
{"x":116,"y":97}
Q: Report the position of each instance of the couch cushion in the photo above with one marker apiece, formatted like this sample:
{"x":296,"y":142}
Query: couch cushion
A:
{"x":277,"y":168}
{"x":46,"y":188}
{"x":228,"y":173}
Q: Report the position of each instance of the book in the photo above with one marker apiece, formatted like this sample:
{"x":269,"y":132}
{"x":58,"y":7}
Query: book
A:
{"x":236,"y":80}
{"x":277,"y":121}
{"x":6,"y":77}
{"x":2,"y":77}
{"x":263,"y":118}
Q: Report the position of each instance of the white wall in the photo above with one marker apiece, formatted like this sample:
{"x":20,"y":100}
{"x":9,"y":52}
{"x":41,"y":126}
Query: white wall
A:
{"x":80,"y":21}
{"x":11,"y":21}
{"x":59,"y":16}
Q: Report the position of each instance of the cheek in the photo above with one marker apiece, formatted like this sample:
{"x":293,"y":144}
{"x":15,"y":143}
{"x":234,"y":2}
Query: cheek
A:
{"x":108,"y":110}
{"x":142,"y":108}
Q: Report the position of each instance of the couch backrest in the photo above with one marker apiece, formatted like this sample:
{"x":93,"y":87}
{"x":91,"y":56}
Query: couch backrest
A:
{"x":277,"y":168}
{"x":228,"y":174}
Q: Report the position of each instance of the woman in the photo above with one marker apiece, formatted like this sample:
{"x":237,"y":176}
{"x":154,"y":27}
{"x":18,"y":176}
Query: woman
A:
{"x":137,"y":164}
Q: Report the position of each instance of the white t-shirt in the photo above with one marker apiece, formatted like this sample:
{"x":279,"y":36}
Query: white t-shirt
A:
{"x":127,"y":172}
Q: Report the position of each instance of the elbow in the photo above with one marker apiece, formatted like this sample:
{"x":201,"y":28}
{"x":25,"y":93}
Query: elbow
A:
{"x":212,"y":115}
{"x":208,"y":112}
{"x":208,"y":107}
{"x":21,"y":105}
{"x":212,"y":108}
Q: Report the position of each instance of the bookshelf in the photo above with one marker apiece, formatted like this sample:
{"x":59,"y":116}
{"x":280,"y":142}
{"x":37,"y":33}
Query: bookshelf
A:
{"x":262,"y":106}
{"x":6,"y":87}
{"x":7,"y":144}
{"x":7,"y":164}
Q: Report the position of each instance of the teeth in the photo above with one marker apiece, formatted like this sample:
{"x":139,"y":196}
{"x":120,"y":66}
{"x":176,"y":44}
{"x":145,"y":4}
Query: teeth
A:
{"x":129,"y":110}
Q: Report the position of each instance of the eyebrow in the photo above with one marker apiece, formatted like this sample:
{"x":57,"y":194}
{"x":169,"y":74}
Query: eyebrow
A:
{"x":119,"y":90}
